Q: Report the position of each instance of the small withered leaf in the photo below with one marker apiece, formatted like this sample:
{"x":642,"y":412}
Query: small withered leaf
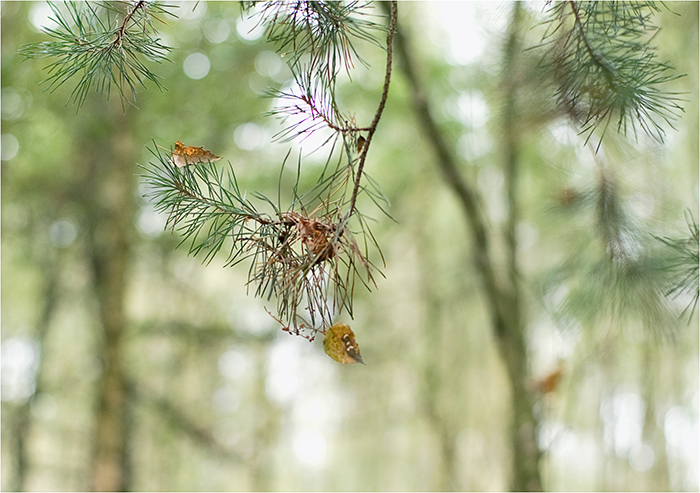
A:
{"x":184,"y":155}
{"x":340,"y":344}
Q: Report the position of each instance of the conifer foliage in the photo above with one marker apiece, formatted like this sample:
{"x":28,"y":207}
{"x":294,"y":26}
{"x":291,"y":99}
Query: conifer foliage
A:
{"x":105,"y":44}
{"x":306,"y":253}
{"x":606,"y":69}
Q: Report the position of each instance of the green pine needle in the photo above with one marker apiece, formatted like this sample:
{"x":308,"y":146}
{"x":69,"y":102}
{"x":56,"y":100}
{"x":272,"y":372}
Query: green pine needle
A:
{"x":103,"y":46}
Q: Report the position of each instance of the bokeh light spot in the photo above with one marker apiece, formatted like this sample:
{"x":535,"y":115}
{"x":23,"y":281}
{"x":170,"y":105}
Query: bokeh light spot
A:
{"x":196,"y":66}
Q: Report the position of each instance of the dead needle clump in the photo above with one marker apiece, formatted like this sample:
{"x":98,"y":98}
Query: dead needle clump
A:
{"x":315,"y":235}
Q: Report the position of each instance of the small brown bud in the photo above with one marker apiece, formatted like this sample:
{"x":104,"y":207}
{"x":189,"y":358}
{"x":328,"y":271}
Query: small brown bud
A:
{"x":360,"y":143}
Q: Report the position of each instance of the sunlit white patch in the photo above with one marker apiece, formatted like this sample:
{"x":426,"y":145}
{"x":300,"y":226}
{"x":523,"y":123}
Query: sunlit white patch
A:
{"x":490,"y":179}
{"x":466,"y":38}
{"x":564,"y":134}
{"x":323,"y":411}
{"x":536,"y":7}
{"x":249,"y":27}
{"x":249,"y":136}
{"x":234,"y":363}
{"x":226,"y":399}
{"x":150,"y":222}
{"x":14,"y":102}
{"x":475,"y":144}
{"x":555,"y":296}
{"x":642,"y":457}
{"x":526,"y":235}
{"x":577,"y":452}
{"x":19,"y":359}
{"x":642,"y":204}
{"x":549,"y":432}
{"x":41,"y":16}
{"x":187,"y":9}
{"x":310,"y":448}
{"x":623,"y":420}
{"x":678,"y":428}
{"x":268,"y":63}
{"x":282,"y":382}
{"x":251,"y":318}
{"x":469,"y":108}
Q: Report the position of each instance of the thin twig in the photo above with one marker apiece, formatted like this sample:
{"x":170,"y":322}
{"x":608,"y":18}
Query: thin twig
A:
{"x":385,"y":94}
{"x":594,"y":56}
{"x":127,"y":18}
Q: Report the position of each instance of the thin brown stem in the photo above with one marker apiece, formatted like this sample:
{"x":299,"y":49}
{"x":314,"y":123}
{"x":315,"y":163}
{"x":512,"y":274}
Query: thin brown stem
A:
{"x":122,"y":29}
{"x":584,"y":39}
{"x":382,"y":103}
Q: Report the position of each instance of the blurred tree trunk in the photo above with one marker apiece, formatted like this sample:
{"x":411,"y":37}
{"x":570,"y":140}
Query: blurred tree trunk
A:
{"x":436,"y":371}
{"x":108,"y":198}
{"x":51,"y":269}
{"x":265,"y":429}
{"x":652,"y":434}
{"x":513,"y":349}
{"x":502,"y":297}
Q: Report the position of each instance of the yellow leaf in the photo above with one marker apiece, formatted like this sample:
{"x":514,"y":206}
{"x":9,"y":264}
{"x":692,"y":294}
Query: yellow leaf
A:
{"x":340,"y":344}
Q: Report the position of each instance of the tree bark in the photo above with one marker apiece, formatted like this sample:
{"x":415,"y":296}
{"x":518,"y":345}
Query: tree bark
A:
{"x":24,"y":418}
{"x":526,"y":452}
{"x":502,"y":299}
{"x":108,"y":197}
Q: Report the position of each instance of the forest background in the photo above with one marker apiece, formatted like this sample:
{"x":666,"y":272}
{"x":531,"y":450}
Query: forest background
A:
{"x":218,"y":397}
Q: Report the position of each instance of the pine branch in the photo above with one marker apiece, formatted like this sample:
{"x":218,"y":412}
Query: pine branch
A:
{"x":320,"y":37}
{"x":85,"y":45}
{"x":382,"y":104}
{"x":305,"y":255}
{"x":316,"y":34}
{"x":615,"y":272}
{"x":313,"y":108}
{"x":303,"y":259}
{"x":605,"y":67}
{"x":683,"y":265}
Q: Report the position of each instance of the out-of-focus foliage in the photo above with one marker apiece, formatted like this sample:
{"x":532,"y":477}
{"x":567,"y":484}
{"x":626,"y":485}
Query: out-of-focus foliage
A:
{"x":684,"y":266}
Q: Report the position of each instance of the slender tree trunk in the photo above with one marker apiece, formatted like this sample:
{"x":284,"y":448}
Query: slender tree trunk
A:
{"x":652,"y":433}
{"x":526,"y":452}
{"x":502,"y":298}
{"x":109,"y":200}
{"x":265,"y":429}
{"x":435,"y":375}
{"x":24,"y":418}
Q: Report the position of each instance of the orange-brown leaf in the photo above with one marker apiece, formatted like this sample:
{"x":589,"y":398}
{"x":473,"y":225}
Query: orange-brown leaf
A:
{"x":184,"y":155}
